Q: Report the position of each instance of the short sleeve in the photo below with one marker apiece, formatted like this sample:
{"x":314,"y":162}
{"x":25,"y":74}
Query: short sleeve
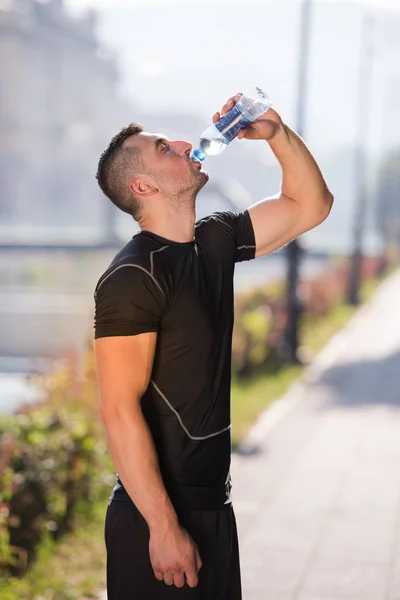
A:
{"x":128,"y":301}
{"x":236,"y":231}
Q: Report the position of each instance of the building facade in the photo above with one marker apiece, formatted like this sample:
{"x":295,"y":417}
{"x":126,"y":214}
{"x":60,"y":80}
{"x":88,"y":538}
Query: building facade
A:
{"x":58,"y":108}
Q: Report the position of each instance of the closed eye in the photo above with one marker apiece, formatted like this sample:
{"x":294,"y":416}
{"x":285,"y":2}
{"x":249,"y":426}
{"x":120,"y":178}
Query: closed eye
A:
{"x":162,"y":145}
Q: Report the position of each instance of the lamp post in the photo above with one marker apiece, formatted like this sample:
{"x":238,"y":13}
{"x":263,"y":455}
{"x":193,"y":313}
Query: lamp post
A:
{"x":369,"y":49}
{"x":363,"y":110}
{"x":293,"y":249}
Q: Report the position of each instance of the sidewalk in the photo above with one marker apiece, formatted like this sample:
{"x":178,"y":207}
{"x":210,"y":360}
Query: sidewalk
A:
{"x":318,"y":502}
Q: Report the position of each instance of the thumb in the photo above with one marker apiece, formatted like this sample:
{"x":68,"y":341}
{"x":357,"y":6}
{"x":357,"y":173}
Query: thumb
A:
{"x":249,"y":133}
{"x":199,"y":562}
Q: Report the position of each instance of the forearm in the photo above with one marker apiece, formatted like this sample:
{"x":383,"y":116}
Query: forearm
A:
{"x":135,"y":459}
{"x":302,"y":180}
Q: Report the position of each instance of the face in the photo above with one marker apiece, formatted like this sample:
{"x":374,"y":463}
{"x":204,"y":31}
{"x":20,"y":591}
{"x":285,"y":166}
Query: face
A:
{"x":169,"y":166}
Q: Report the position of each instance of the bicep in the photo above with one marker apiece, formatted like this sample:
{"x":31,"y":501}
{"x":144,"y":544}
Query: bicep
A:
{"x":128,"y":311}
{"x":276,"y":221}
{"x":229,"y":236}
{"x":124,"y":366}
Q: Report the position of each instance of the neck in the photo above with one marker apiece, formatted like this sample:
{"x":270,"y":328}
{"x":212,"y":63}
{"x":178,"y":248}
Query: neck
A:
{"x":173,"y":222}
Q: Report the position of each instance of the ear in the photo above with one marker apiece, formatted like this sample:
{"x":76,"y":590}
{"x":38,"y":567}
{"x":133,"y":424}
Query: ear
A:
{"x":142,"y":187}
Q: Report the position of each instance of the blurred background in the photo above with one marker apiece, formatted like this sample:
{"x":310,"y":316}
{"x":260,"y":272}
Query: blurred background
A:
{"x":72,"y":72}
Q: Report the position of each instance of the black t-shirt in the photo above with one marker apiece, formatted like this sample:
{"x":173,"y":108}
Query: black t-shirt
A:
{"x":184,"y":292}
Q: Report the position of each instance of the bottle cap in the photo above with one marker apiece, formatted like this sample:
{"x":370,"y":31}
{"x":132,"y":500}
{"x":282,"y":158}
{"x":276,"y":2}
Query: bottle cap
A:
{"x":198,"y":154}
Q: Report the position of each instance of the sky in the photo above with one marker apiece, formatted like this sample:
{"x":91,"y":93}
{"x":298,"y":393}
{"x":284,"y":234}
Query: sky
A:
{"x":79,"y":5}
{"x":174,"y":54}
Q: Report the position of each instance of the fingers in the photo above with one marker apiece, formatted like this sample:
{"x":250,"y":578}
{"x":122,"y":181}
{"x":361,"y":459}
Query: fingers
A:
{"x":169,"y":578}
{"x":183,"y":560}
{"x":158,"y":574}
{"x":179,"y":579}
{"x":193,"y":569}
{"x":199,"y":562}
{"x":176,"y":578}
{"x":191,"y":575}
{"x":230,"y":103}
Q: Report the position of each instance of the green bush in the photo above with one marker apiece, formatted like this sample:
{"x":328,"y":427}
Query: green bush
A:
{"x":261,"y":315}
{"x":55,"y":462}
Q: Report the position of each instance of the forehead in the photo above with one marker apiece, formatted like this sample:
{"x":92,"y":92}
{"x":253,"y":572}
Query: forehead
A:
{"x":145,"y":140}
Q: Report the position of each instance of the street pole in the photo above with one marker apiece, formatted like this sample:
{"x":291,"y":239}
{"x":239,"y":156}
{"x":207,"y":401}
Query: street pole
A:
{"x":363,"y":110}
{"x":293,"y":249}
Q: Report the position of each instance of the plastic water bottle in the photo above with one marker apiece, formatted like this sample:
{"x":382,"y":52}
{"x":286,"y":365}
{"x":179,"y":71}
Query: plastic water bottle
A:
{"x":215,"y":138}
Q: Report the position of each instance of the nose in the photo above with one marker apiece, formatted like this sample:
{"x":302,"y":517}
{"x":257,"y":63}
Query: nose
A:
{"x":182,"y":147}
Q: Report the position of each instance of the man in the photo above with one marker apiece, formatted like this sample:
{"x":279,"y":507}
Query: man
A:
{"x":163,"y":329}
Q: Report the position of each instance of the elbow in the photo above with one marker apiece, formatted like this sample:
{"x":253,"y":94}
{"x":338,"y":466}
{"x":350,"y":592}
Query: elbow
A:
{"x":107,"y":415}
{"x":117,"y":412}
{"x":326,"y":205}
{"x":109,"y":409}
{"x":110,"y":414}
{"x":329,"y":198}
{"x":106,"y":408}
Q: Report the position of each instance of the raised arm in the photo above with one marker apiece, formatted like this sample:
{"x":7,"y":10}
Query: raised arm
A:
{"x":304,"y":200}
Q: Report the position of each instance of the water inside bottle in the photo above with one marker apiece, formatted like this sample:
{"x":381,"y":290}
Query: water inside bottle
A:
{"x":212,"y":147}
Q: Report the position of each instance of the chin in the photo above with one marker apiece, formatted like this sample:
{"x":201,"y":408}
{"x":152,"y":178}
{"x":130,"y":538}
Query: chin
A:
{"x":201,"y":181}
{"x":203,"y":175}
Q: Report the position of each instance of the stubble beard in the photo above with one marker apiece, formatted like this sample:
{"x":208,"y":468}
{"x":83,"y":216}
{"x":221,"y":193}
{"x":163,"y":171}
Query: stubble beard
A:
{"x":185,"y":199}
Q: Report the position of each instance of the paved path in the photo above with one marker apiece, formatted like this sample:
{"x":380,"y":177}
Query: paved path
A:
{"x":318,"y":503}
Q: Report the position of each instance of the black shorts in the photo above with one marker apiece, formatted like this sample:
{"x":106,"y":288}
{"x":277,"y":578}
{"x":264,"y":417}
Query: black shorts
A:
{"x":130,"y":575}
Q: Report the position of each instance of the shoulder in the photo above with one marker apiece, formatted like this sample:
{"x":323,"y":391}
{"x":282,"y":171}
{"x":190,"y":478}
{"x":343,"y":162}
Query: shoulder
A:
{"x":129,"y":298}
{"x":133,"y":267}
{"x":227,"y":221}
{"x":229,"y":232}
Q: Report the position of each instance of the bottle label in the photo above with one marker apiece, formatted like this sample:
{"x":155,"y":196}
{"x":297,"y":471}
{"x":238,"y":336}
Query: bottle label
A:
{"x":231,"y":123}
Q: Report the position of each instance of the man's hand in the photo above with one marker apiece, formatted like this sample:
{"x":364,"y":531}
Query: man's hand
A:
{"x":263,"y":128}
{"x":173,"y":554}
{"x":303,"y":201}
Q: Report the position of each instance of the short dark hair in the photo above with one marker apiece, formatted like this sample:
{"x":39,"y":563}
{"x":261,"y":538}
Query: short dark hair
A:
{"x":114,"y":165}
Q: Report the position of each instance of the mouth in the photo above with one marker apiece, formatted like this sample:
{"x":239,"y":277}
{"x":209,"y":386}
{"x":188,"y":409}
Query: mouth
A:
{"x":196,"y":162}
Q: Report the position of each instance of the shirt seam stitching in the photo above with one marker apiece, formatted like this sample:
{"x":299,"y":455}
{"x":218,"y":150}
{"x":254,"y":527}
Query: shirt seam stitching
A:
{"x":192,"y":437}
{"x":130,"y":265}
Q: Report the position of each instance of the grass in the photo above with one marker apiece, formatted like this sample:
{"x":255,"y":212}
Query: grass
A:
{"x":74,"y":569}
{"x":251,"y":396}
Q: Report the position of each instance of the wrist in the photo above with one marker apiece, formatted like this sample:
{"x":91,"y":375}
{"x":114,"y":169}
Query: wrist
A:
{"x":162,"y":526}
{"x":279,"y":132}
{"x":163,"y":520}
